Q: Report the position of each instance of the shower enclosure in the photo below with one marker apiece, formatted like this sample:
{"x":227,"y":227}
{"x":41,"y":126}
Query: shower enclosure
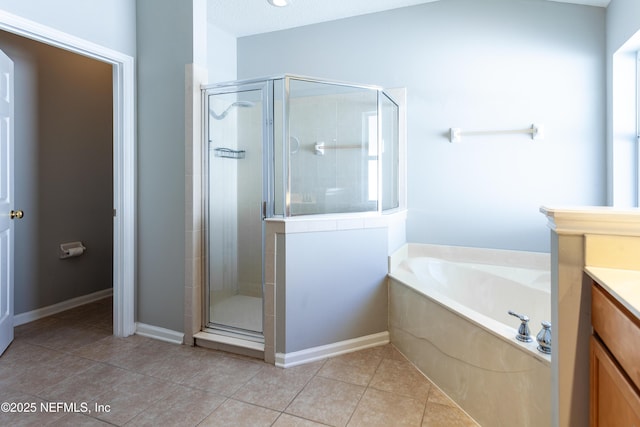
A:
{"x":285,"y":147}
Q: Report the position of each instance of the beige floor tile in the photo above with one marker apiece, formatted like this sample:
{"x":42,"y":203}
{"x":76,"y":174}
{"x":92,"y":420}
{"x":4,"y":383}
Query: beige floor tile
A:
{"x":73,"y":357}
{"x":21,"y":354}
{"x":402,"y":378}
{"x":390,"y":352}
{"x":175,"y":367}
{"x":224,"y":375}
{"x":286,"y":420}
{"x":78,"y":420}
{"x":326,"y":401}
{"x":43,"y":374}
{"x":106,"y":324}
{"x":437,"y":396}
{"x":436,"y":415}
{"x":24,"y":410}
{"x":97,"y":311}
{"x":120,"y":407}
{"x":339,"y":369}
{"x":233,"y":413}
{"x":180,"y":363}
{"x":131,"y":396}
{"x":64,"y":335}
{"x":29,"y":330}
{"x":356,"y":367}
{"x":140,"y":358}
{"x":183,"y":407}
{"x":383,"y":409}
{"x":369,"y":357}
{"x":86,"y":386}
{"x":274,"y":387}
{"x":106,"y":349}
{"x":143,"y":384}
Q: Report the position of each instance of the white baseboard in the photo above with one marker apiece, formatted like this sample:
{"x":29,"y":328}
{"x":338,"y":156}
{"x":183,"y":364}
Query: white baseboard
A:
{"x":159,"y":333}
{"x":288,"y":360}
{"x":39,"y":313}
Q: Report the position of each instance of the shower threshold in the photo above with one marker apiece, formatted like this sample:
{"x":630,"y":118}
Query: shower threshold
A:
{"x":231,"y":342}
{"x":232,"y":332}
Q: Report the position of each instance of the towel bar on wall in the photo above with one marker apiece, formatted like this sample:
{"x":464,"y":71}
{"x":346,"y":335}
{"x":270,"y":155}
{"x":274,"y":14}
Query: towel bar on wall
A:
{"x":456,"y":134}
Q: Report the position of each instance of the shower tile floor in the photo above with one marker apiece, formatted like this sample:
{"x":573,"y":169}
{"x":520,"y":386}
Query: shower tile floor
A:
{"x":68,"y":370}
{"x":238,"y":311}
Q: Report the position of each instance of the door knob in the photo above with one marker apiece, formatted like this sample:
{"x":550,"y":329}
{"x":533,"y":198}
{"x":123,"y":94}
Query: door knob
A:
{"x":16,"y":214}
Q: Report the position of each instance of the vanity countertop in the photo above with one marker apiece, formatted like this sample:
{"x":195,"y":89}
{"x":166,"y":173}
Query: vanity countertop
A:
{"x":623,"y":285}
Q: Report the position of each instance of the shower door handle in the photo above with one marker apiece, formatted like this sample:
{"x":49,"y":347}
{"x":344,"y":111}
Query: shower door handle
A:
{"x":264,"y":210}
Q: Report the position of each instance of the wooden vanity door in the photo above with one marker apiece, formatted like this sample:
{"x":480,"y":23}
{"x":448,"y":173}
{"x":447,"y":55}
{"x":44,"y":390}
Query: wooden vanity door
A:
{"x":614,"y":401}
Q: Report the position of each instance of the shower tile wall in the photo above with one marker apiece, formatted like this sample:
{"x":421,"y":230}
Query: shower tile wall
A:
{"x":249,"y":203}
{"x":224,"y":203}
{"x":337,"y":180}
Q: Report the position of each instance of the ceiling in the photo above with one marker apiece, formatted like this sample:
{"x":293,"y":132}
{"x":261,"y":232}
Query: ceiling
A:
{"x":246,"y":17}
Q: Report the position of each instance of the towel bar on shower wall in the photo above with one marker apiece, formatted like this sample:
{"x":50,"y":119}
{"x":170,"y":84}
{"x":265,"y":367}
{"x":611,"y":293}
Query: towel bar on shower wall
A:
{"x":319,"y":147}
{"x":456,"y":134}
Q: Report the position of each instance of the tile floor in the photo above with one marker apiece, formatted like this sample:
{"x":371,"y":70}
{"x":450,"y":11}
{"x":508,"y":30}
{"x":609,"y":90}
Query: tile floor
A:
{"x":72,"y":359}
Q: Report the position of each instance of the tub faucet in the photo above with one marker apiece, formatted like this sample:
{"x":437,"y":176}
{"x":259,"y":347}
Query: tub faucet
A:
{"x":523,"y":331}
{"x":544,"y":338}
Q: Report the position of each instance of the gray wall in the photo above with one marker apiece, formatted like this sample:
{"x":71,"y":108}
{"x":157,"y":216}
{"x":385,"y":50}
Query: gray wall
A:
{"x":335,"y":287}
{"x":476,"y":65}
{"x":63,"y":172}
{"x":165,"y":34}
{"x":110,"y":23}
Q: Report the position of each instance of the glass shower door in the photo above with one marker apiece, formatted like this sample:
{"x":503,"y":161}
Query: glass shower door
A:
{"x":236,"y":192}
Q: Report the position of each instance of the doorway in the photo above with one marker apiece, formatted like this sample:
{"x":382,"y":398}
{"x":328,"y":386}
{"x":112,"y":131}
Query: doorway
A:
{"x":63,"y":175}
{"x":123,"y":151}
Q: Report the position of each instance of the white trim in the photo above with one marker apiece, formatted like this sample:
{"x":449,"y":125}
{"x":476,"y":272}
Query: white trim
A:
{"x":637,"y":117}
{"x":124,"y":161}
{"x":158,"y":333}
{"x":30,"y":316}
{"x":593,"y":220}
{"x":288,"y":360}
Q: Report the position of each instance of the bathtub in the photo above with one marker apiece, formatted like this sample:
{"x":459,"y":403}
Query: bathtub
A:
{"x":448,"y":315}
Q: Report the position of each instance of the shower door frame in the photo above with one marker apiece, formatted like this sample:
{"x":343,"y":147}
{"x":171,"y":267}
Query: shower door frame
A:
{"x":266,"y":88}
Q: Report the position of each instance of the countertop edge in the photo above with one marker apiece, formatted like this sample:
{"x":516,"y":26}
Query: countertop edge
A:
{"x":622,"y":285}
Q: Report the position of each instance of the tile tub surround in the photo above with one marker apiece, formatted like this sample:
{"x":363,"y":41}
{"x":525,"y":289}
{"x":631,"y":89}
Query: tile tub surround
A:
{"x":494,"y":381}
{"x":72,"y":357}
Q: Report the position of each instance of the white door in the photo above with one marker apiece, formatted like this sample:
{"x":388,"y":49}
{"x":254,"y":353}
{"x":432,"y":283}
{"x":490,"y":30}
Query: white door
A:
{"x":7,"y":215}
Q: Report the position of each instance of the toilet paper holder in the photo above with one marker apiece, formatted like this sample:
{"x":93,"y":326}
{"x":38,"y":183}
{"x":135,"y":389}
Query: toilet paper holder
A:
{"x":71,"y":249}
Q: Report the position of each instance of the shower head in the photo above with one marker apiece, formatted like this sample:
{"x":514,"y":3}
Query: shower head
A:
{"x":242,"y":104}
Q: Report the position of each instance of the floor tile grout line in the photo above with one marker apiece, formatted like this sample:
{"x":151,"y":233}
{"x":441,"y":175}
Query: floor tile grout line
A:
{"x":365,"y":390}
{"x":324,"y":361}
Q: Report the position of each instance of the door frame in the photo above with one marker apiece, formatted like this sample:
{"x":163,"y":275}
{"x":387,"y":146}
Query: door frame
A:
{"x":124,"y":160}
{"x":235,"y":87}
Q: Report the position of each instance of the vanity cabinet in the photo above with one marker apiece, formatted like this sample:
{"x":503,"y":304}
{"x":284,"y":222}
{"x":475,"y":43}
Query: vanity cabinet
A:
{"x":614,"y":362}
